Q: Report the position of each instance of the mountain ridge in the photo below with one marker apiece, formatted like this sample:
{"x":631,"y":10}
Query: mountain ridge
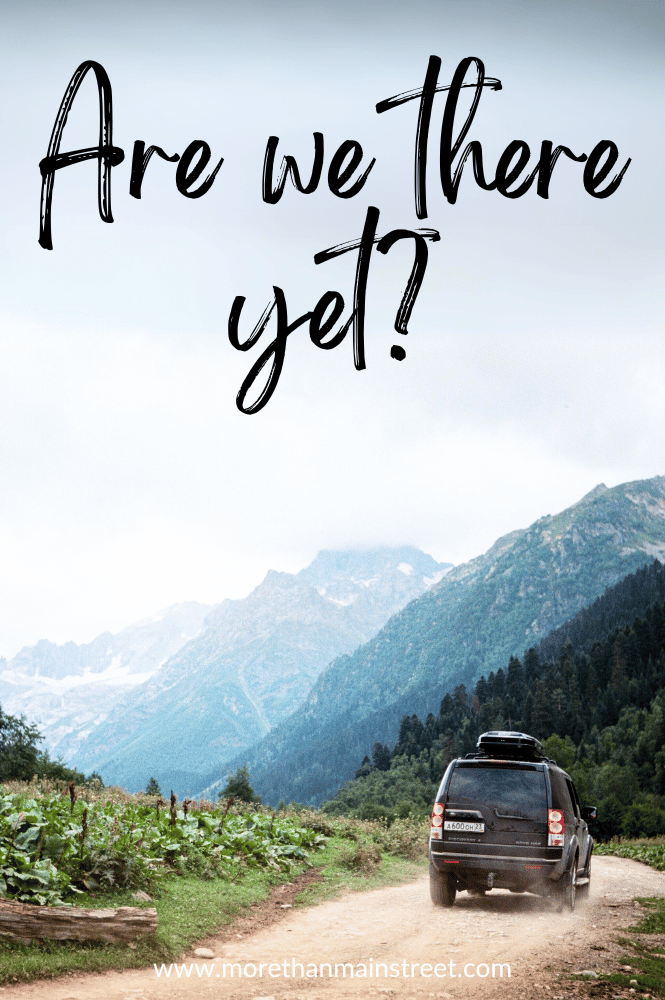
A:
{"x":251,"y":665}
{"x":529,"y":581}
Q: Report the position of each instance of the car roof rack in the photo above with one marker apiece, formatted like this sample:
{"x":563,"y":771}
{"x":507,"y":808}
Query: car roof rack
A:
{"x":509,"y":745}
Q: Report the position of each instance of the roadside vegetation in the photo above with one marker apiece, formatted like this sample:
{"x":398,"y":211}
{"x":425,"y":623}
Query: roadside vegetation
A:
{"x":650,"y":851}
{"x":56,"y":844}
{"x":199,"y":864}
{"x":643,"y":963}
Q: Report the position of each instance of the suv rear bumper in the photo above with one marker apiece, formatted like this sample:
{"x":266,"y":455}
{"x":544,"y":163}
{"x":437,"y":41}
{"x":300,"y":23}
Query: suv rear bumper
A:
{"x":508,"y":871}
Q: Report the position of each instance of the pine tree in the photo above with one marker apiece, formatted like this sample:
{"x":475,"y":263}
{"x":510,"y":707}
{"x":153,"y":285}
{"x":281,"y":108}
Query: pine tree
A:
{"x":404,"y":732}
{"x":527,"y":712}
{"x":542,"y":712}
{"x":531,"y":666}
{"x":481,"y":691}
{"x":515,"y":681}
{"x":365,"y":768}
{"x":485,"y":717}
{"x":380,"y":757}
{"x":238,"y":787}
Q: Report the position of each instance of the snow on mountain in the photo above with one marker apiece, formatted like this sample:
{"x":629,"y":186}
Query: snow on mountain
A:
{"x":67,"y":690}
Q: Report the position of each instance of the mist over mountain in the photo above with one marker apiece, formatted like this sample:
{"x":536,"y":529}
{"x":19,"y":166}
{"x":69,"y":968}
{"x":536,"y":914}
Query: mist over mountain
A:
{"x":529,"y":582}
{"x":252,"y":664}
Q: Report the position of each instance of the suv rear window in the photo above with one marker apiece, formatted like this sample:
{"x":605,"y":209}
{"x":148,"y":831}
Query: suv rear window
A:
{"x":516,"y":788}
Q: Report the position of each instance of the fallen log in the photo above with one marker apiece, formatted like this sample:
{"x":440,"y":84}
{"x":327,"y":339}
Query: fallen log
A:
{"x":24,"y":921}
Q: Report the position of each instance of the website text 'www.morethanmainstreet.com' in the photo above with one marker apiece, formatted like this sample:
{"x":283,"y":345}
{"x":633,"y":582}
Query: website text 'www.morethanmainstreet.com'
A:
{"x":292,"y":969}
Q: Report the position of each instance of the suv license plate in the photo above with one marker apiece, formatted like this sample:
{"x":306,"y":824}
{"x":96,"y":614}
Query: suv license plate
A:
{"x":460,"y":827}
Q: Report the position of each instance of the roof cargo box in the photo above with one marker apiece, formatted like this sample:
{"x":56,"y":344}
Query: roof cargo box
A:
{"x":502,"y":743}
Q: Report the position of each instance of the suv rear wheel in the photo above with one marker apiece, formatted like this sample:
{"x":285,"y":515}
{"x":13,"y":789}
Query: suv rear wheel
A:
{"x":583,"y":890}
{"x":442,"y":886}
{"x":568,"y":888}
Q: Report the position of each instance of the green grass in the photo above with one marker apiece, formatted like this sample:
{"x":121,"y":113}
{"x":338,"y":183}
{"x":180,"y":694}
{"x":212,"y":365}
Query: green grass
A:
{"x":190,"y":908}
{"x":654,"y":921}
{"x":649,"y":978}
{"x":338,"y":877}
{"x":648,"y":963}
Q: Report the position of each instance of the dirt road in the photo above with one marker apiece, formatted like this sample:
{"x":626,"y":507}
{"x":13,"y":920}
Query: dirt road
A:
{"x":500,"y":945}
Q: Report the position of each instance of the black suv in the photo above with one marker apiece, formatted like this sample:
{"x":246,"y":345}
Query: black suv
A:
{"x":507,"y":817}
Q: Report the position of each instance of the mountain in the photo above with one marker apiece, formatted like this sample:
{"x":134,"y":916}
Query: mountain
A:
{"x":528,"y":583}
{"x":68,"y":690}
{"x":250,"y":667}
{"x":377,"y":582}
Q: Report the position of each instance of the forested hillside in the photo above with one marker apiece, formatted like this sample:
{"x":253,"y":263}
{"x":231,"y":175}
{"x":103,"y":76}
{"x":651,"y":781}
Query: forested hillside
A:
{"x":619,"y":605}
{"x":597,"y":705}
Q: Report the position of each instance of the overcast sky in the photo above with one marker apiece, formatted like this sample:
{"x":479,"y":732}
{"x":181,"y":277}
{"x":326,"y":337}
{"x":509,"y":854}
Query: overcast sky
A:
{"x":535,"y":358}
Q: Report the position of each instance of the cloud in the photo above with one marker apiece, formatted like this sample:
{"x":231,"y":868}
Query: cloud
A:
{"x":130,"y":479}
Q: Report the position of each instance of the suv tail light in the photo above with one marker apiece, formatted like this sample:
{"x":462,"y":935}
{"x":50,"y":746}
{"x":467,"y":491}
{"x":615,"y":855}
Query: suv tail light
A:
{"x":555,"y":828}
{"x":436,"y":825}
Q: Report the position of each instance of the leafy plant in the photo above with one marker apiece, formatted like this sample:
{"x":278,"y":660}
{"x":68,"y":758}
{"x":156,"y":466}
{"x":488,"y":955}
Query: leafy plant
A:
{"x":52,"y":846}
{"x":650,"y":852}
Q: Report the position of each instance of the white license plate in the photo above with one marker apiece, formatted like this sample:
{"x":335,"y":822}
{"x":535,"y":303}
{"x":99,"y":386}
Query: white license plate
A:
{"x":459,"y":827}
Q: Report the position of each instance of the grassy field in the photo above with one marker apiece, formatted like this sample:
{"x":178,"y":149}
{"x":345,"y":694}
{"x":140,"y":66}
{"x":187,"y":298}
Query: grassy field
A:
{"x":350,"y":855}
